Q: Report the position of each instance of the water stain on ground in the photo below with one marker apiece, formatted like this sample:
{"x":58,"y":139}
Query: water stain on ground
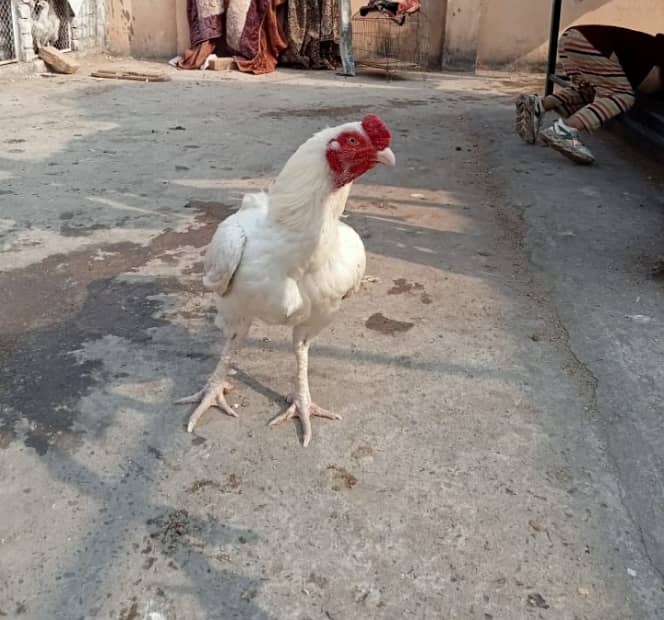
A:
{"x":42,"y":380}
{"x":380,"y":323}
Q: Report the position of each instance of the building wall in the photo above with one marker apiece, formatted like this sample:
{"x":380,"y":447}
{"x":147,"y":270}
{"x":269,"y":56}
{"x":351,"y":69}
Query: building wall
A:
{"x":462,"y":28}
{"x":135,"y":28}
{"x":498,"y":33}
{"x":461,"y":33}
{"x":87,"y":28}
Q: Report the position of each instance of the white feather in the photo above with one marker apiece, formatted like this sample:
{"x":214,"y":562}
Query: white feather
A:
{"x":284,"y":257}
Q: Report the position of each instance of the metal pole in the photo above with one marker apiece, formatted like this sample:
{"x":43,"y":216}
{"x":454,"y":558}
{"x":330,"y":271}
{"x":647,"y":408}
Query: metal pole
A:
{"x":346,"y":42}
{"x":553,"y":44}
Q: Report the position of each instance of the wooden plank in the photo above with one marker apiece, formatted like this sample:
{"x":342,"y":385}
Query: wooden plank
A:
{"x":57,"y":61}
{"x":388,"y":64}
{"x":131,"y":75}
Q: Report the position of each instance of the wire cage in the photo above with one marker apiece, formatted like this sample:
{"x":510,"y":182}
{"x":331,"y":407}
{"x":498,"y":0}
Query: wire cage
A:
{"x":41,"y":15}
{"x":62,"y":10}
{"x":8,"y":32}
{"x":88,"y":24}
{"x":380,"y":42}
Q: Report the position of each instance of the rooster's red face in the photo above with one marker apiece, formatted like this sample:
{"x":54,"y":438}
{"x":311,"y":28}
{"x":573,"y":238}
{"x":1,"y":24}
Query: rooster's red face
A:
{"x":354,"y":152}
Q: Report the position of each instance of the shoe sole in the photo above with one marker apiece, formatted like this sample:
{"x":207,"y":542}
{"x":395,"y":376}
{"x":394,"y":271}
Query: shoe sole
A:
{"x":525,"y":119}
{"x":562,"y":146}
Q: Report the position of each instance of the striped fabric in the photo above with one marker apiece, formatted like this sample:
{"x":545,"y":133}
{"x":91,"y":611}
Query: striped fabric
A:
{"x":604,"y":90}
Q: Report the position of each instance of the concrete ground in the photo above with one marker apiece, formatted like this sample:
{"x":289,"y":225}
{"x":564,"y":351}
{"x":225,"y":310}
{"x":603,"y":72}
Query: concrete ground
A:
{"x":500,"y":372}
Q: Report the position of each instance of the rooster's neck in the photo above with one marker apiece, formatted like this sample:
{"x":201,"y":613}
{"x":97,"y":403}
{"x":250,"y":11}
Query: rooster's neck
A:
{"x":303,"y":199}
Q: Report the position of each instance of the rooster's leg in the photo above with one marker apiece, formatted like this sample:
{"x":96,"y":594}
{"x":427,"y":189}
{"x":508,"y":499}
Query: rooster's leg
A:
{"x":213,"y":394}
{"x":301,"y":405}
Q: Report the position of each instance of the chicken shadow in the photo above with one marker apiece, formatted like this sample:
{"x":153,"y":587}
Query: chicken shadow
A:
{"x":45,"y":381}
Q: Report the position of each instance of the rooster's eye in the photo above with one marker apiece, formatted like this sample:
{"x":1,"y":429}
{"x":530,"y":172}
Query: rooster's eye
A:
{"x":352,"y":141}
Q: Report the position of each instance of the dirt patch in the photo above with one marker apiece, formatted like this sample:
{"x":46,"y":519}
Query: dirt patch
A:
{"x":341,"y":478}
{"x":318,"y":580}
{"x":340,"y":112}
{"x":6,"y":437}
{"x":177,"y":533}
{"x":406,"y":103}
{"x":232,"y":484}
{"x":82,"y":230}
{"x":379,"y":323}
{"x":657,"y":269}
{"x":130,"y":613}
{"x":373,"y":205}
{"x":170,"y":530}
{"x":336,"y":112}
{"x":401,"y":285}
{"x":194,"y":268}
{"x":201,"y":484}
{"x":362,"y":452}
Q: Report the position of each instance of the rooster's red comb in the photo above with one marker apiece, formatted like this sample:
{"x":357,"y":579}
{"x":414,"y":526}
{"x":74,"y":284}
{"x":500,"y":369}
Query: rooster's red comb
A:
{"x":377,"y":131}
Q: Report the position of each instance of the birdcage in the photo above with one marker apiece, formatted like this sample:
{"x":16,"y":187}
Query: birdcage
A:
{"x":62,"y":10}
{"x":381,"y":41}
{"x":8,"y":32}
{"x":86,"y":26}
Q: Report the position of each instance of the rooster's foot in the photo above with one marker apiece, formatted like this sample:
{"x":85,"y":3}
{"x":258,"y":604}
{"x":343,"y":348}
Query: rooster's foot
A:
{"x":304,"y":413}
{"x":210,"y":396}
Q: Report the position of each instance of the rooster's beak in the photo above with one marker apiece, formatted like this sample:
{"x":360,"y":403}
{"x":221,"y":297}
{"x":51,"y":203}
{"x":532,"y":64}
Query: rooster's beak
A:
{"x":386,"y":156}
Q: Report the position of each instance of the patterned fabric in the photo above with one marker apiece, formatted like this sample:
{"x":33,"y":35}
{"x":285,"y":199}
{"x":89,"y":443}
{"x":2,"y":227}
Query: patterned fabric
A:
{"x":312,"y":31}
{"x":207,"y":8}
{"x":602,"y":89}
{"x":246,"y":29}
{"x":204,"y":22}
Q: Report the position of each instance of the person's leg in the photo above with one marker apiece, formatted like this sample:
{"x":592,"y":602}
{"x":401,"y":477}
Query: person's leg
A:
{"x":530,"y":109}
{"x":613,"y":94}
{"x":567,"y":101}
{"x":614,"y":97}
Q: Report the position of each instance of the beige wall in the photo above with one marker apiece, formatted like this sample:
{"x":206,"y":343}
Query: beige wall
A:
{"x":435,"y":11}
{"x":462,"y":28}
{"x":516,"y":32}
{"x":135,"y":28}
{"x":485,"y":33}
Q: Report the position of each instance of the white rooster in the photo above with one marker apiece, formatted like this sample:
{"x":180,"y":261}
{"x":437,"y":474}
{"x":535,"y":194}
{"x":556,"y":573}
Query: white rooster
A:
{"x":285,"y":258}
{"x":45,"y":25}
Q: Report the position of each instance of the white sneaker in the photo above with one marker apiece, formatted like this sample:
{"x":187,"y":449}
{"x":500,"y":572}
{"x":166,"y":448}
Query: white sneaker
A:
{"x":566,"y":141}
{"x":529,"y":117}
